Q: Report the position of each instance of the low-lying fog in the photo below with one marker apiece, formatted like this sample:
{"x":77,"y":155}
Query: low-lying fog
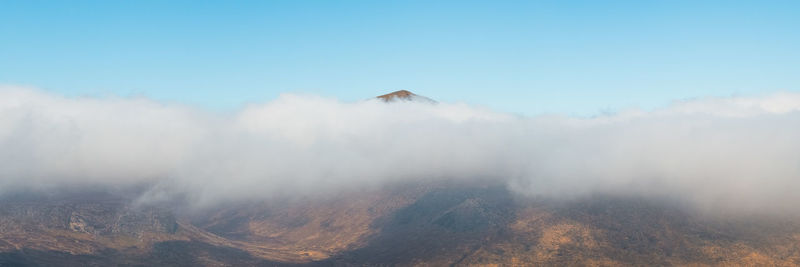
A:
{"x":739,"y":152}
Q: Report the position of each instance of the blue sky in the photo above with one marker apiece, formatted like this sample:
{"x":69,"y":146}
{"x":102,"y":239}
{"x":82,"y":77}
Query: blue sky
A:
{"x":528,"y":57}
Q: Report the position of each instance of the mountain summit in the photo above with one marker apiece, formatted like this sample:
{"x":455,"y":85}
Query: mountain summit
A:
{"x":404,"y":96}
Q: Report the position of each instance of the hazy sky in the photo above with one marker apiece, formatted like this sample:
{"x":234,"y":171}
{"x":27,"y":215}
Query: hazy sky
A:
{"x":529,"y":57}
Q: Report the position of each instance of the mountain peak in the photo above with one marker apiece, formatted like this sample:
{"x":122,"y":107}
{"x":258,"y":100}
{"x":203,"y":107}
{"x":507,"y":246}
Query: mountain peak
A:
{"x":403,"y":95}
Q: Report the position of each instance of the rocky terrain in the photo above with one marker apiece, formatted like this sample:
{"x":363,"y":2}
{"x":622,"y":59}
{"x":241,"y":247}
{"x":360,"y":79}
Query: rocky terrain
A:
{"x":431,"y":224}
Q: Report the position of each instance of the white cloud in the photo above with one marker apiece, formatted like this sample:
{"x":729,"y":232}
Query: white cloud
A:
{"x":715,"y":152}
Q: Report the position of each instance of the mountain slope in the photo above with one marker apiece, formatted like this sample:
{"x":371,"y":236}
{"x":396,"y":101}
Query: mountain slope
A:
{"x":432,"y":224}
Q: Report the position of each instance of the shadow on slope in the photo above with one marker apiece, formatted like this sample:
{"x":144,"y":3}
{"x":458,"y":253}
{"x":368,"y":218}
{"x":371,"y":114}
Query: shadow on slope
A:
{"x":171,"y":253}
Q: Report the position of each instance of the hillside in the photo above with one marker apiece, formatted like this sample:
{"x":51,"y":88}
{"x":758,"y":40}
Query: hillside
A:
{"x":433,"y":224}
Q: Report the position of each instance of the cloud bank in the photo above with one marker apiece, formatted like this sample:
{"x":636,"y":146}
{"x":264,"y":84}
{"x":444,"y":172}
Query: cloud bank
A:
{"x":740,"y":151}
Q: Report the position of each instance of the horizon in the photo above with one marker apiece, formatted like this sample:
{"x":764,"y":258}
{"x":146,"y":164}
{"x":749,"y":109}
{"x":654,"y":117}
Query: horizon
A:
{"x":670,"y":104}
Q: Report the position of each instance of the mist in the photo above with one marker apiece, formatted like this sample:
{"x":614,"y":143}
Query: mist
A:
{"x":734,"y":153}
